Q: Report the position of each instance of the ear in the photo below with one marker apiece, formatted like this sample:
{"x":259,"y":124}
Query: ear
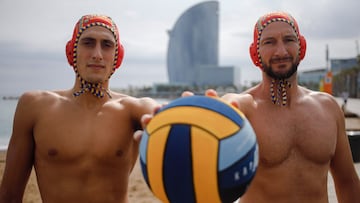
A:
{"x":70,"y":52}
{"x":302,"y":47}
{"x":120,"y":55}
{"x":254,"y":55}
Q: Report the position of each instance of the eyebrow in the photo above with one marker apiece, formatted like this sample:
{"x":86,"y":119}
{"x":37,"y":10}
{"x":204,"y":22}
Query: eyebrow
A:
{"x":285,"y":36}
{"x":87,"y":39}
{"x":93,"y":39}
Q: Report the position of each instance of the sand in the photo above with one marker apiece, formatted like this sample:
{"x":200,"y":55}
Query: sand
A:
{"x":138,"y":190}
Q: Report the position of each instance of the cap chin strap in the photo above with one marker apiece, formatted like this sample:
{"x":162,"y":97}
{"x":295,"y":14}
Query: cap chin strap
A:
{"x":279,"y":96}
{"x":95,"y":89}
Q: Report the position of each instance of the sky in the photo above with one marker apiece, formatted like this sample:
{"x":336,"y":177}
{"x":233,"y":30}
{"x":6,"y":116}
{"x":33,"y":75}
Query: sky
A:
{"x":34,"y":34}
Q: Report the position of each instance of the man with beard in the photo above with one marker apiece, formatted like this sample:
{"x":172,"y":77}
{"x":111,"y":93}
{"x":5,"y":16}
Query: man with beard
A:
{"x":82,"y":142}
{"x":301,"y":133}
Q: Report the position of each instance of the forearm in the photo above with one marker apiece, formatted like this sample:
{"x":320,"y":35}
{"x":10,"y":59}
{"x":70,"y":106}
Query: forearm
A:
{"x":349,"y":193}
{"x":10,"y":197}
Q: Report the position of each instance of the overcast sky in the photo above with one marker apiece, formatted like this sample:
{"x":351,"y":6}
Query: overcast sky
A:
{"x":34,"y":34}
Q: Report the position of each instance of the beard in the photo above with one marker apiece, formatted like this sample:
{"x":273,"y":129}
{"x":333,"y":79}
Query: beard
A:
{"x":268,"y":69}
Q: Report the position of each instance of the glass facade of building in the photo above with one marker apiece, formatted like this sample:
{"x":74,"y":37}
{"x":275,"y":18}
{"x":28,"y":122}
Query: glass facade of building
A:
{"x":192,"y":57}
{"x":338,"y":65}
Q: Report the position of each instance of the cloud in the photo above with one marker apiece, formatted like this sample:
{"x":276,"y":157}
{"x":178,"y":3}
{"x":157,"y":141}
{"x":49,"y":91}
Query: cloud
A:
{"x":35,"y":32}
{"x":328,"y":19}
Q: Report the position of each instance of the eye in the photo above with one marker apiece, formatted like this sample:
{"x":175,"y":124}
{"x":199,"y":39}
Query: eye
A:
{"x":108,"y":44}
{"x":290,"y":39}
{"x":268,"y":42}
{"x":87,"y":42}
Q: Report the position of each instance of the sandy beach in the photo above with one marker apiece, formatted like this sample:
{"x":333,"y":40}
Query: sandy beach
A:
{"x":138,"y":190}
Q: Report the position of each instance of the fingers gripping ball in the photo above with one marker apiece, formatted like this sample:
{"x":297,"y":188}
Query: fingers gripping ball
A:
{"x":198,"y":149}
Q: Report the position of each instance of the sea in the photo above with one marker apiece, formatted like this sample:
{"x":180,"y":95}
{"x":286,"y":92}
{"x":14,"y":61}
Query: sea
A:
{"x":8,"y":106}
{"x":7,"y":111}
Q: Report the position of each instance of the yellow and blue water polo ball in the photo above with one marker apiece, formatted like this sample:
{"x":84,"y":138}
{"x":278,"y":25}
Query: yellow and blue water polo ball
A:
{"x":198,"y":149}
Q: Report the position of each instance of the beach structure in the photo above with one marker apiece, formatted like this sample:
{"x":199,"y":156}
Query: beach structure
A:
{"x":193,"y":49}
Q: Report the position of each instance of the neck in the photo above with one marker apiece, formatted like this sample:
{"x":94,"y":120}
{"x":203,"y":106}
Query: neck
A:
{"x":98,"y":90}
{"x":280,"y":90}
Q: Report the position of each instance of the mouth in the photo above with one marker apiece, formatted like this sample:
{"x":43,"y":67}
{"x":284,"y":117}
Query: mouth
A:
{"x":281,"y":60}
{"x":96,"y":66}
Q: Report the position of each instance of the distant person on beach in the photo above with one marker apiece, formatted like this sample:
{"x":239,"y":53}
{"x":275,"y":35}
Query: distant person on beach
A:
{"x":301,"y":133}
{"x":82,"y":142}
{"x":345,"y":96}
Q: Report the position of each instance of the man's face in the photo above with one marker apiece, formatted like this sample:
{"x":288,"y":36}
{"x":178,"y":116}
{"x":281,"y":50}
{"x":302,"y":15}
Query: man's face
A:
{"x":279,"y":50}
{"x":96,"y":54}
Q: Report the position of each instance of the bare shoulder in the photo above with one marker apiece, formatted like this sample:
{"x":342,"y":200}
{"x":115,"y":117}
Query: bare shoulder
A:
{"x":33,"y":104}
{"x":130,"y":100}
{"x":136,"y":105}
{"x":321,"y":100}
{"x":320,"y":97}
{"x":245,"y":101}
{"x":244,"y":97}
{"x":41,"y":97}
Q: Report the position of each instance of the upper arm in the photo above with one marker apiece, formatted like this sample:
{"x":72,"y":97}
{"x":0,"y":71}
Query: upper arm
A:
{"x":140,"y":107}
{"x":20,"y":153}
{"x":342,"y":168}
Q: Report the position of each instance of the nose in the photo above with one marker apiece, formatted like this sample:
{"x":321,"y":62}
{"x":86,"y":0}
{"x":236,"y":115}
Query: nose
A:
{"x":97,"y":53}
{"x":281,"y":49}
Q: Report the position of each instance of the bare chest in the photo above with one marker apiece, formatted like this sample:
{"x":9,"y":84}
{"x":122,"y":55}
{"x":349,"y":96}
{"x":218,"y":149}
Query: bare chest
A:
{"x":306,"y":136}
{"x":73,"y":135}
